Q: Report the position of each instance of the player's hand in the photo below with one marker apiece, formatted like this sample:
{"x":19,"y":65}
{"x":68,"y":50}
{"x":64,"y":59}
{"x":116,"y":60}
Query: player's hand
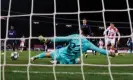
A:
{"x":42,"y":39}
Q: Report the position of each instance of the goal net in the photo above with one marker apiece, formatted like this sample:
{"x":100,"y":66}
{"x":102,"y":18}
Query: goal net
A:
{"x":56,"y":19}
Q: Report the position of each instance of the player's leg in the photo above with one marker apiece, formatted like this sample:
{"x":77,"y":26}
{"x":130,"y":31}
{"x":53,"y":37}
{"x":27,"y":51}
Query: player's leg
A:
{"x":116,"y":48}
{"x":113,"y":49}
{"x":107,"y":42}
{"x":73,"y":61}
{"x":86,"y":54}
{"x":45,"y":47}
{"x":51,"y":54}
{"x":2,"y":50}
{"x":13,"y":45}
{"x":93,"y":52}
{"x":129,"y":47}
{"x":112,"y":45}
{"x":41,"y":55}
{"x":21,"y":50}
{"x":21,"y":47}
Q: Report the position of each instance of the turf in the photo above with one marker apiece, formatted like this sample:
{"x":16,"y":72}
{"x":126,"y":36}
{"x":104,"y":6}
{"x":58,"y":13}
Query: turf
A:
{"x":67,"y":72}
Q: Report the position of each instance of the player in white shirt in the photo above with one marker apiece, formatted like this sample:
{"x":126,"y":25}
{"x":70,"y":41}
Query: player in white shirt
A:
{"x":101,"y":43}
{"x":110,"y":34}
{"x":22,"y":42}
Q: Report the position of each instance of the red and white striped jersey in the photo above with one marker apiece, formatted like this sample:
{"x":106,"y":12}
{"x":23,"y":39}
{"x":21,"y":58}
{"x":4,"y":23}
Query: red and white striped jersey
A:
{"x":112,"y":32}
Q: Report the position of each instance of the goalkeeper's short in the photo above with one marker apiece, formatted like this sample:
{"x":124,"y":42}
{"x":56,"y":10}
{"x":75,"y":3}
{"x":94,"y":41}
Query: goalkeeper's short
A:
{"x":62,"y":58}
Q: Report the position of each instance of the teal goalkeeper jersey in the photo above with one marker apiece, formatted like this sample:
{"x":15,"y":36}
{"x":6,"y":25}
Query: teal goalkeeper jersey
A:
{"x":75,"y":45}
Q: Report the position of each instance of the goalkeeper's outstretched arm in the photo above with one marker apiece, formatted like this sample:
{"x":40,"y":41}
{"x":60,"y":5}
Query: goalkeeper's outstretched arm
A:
{"x":57,"y":39}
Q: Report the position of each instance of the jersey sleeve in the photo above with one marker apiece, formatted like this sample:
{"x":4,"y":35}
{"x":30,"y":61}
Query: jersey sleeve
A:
{"x":116,"y":30}
{"x":91,"y":46}
{"x":64,"y":38}
{"x":106,"y":30}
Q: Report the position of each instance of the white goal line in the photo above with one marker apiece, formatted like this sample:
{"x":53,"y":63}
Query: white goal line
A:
{"x":98,"y":73}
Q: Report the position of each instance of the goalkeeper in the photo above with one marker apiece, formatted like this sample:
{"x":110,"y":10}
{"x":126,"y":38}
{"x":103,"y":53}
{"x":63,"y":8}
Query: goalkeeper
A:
{"x":70,"y":54}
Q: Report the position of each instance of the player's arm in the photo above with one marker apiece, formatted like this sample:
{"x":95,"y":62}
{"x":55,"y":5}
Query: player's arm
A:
{"x":91,"y":46}
{"x":118,"y":33}
{"x":105,"y":31}
{"x":98,"y":43}
{"x":57,"y":39}
{"x":128,"y":42}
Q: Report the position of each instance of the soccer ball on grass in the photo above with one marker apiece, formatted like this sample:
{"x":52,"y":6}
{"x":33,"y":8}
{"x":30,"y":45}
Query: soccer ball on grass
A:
{"x":14,"y":55}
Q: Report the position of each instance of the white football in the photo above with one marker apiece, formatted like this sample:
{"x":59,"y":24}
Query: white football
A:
{"x":14,"y":55}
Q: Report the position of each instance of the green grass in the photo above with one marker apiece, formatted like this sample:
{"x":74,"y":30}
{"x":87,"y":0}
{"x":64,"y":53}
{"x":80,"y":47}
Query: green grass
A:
{"x":68,"y":72}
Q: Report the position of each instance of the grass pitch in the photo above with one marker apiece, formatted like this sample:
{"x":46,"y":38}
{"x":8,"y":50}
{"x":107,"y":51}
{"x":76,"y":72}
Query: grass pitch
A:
{"x":66,"y":72}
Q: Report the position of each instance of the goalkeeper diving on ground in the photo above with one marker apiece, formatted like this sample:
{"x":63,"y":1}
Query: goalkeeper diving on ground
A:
{"x":70,"y":54}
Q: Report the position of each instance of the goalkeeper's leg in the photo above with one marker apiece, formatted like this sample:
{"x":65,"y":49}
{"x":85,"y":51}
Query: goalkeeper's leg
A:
{"x":41,"y":55}
{"x":47,"y":55}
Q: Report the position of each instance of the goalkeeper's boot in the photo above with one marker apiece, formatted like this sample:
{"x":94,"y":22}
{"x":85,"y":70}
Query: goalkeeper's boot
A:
{"x":86,"y":55}
{"x":33,"y":59}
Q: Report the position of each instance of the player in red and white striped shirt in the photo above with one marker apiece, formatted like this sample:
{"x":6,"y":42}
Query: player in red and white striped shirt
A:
{"x":110,"y":34}
{"x":22,"y":42}
{"x":100,"y":43}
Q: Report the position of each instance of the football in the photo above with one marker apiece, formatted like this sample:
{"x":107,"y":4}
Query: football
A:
{"x":14,"y":55}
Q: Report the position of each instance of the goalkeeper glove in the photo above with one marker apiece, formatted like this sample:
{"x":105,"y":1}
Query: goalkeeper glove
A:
{"x":42,"y":39}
